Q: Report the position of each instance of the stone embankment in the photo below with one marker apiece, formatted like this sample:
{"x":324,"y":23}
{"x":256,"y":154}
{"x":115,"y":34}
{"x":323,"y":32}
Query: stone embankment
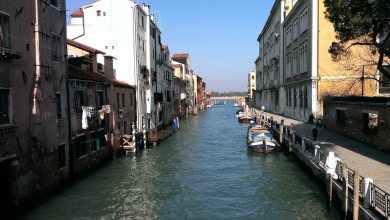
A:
{"x":342,"y":163}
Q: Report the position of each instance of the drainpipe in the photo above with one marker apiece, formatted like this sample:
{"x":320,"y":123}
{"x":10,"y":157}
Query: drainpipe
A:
{"x":70,"y":144}
{"x":37,"y":58}
{"x":314,"y":57}
{"x":83,"y":26}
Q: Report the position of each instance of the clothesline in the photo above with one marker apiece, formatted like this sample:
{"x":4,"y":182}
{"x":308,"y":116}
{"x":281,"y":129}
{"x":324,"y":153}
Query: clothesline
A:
{"x":89,"y":111}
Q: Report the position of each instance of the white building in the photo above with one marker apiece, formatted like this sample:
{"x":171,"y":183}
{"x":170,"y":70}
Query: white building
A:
{"x":251,"y":84}
{"x":122,"y":28}
{"x":269,"y":64}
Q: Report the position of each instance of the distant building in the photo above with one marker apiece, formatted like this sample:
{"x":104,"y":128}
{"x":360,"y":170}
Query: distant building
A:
{"x":251,"y":84}
{"x":186,"y":72}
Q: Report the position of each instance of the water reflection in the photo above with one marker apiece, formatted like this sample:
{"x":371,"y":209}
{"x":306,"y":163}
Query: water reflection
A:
{"x":203,"y":171}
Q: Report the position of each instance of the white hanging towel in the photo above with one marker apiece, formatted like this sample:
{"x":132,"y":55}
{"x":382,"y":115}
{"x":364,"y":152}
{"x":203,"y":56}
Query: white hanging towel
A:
{"x":84,"y":121}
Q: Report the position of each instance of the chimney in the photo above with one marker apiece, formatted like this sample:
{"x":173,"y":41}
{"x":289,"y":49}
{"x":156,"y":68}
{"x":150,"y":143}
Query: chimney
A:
{"x":146,"y":8}
{"x":108,"y":67}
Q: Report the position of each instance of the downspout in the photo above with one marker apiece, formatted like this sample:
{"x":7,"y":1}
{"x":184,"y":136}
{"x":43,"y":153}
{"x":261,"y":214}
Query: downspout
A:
{"x":83,"y":26}
{"x":137,"y":95}
{"x":70,"y":144}
{"x":314,"y":58}
{"x":37,"y":58}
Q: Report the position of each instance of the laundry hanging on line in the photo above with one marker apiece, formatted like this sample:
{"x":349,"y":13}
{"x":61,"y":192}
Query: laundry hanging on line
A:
{"x":91,"y":114}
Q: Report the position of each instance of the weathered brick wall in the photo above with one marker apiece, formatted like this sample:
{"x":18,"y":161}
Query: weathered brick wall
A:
{"x":354,"y":121}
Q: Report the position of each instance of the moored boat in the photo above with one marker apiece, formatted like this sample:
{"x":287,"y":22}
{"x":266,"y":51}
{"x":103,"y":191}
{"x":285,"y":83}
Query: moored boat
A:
{"x":244,"y":117}
{"x":260,"y":139}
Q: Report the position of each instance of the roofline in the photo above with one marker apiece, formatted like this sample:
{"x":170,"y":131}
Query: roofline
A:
{"x":269,"y":17}
{"x":84,"y":47}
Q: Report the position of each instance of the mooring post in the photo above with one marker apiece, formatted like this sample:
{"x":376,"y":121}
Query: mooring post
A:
{"x":356,"y":195}
{"x":345,"y":190}
{"x":330,"y":188}
{"x":281,"y":130}
{"x":367,"y":192}
{"x":317,"y":154}
{"x":134,"y":136}
{"x":293,"y":137}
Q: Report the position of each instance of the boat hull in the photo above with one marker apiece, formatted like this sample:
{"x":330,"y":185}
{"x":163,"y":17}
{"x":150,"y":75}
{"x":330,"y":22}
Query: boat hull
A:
{"x":265,"y":149}
{"x":245,"y":120}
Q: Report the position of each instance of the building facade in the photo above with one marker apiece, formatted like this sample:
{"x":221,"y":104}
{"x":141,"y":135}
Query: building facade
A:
{"x":295,"y":68}
{"x":128,"y":32}
{"x":251,"y":85}
{"x":33,"y":122}
{"x":269,"y":64}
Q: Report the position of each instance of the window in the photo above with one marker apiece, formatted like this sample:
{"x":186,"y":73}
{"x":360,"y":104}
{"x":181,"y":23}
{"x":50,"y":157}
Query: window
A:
{"x":59,"y":105}
{"x":80,"y":100}
{"x":384,"y":82}
{"x":5,"y":107}
{"x":98,"y":13}
{"x":142,"y":22}
{"x":123,"y":100}
{"x":81,"y":146}
{"x":301,"y":98}
{"x":102,"y":139}
{"x":54,"y":3}
{"x":304,"y":21}
{"x":56,"y":48}
{"x":370,"y":121}
{"x":131,"y":99}
{"x":117,"y":100}
{"x":287,"y":97}
{"x":4,"y":31}
{"x":295,"y":30}
{"x":288,"y":35}
{"x":104,"y":13}
{"x":288,"y":65}
{"x":306,"y":97}
{"x":294,"y":62}
{"x":303,"y":57}
{"x":95,"y":141}
{"x":99,"y":99}
{"x":340,"y":117}
{"x":295,"y":97}
{"x":124,"y":127}
{"x":61,"y":156}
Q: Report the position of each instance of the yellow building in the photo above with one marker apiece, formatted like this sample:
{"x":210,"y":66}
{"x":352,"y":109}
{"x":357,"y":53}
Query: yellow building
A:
{"x":308,"y":73}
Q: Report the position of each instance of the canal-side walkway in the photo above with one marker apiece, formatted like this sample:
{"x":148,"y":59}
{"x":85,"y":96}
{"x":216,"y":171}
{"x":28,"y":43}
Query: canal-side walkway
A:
{"x":369,"y":161}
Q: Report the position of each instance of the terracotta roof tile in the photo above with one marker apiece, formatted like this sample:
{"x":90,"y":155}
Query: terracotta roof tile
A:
{"x":121,"y":83}
{"x":180,"y":55}
{"x":77,"y":13}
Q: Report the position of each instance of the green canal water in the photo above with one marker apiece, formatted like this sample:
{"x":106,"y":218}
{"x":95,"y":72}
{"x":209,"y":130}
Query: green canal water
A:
{"x":203,"y":171}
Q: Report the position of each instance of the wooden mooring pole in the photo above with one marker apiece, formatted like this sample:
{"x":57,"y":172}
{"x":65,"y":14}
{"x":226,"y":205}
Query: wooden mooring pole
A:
{"x":281,"y":129}
{"x":345,"y":190}
{"x":330,"y":189}
{"x":356,"y":195}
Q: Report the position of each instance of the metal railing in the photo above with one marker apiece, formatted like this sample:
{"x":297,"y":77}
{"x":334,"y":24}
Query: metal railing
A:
{"x":380,"y":201}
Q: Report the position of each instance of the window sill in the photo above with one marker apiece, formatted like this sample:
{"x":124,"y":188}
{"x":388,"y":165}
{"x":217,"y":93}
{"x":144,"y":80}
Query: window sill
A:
{"x":55,"y":7}
{"x":7,"y":128}
{"x":83,"y":157}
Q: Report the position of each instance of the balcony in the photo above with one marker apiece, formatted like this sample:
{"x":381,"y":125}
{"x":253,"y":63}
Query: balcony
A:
{"x":8,"y":54}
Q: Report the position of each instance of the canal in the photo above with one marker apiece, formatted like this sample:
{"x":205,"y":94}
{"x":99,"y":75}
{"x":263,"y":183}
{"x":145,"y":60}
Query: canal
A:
{"x":203,"y":171}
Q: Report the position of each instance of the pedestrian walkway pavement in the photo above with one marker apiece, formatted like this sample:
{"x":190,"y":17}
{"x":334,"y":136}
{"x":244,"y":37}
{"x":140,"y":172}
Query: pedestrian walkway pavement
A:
{"x":369,"y":161}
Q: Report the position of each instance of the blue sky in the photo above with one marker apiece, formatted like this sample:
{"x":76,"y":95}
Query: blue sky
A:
{"x":219,"y":35}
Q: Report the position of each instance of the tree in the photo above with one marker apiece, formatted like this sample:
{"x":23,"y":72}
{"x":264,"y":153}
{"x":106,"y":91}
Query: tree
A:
{"x":361,"y":23}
